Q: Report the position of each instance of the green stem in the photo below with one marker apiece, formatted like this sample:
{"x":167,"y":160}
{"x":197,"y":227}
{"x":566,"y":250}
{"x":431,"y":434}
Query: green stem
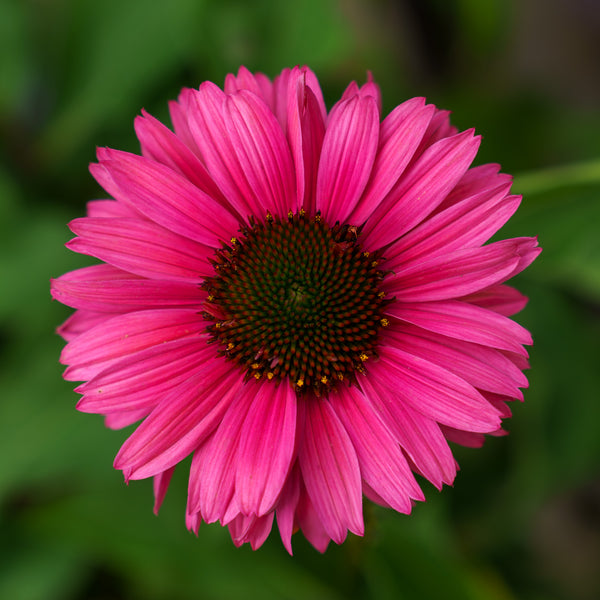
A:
{"x":546,"y":180}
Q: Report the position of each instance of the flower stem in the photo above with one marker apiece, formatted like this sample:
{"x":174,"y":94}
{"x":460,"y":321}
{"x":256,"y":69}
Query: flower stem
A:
{"x":547,"y":180}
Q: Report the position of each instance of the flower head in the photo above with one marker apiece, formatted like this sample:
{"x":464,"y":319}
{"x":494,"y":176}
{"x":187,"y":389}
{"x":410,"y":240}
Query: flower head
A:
{"x":304,"y":301}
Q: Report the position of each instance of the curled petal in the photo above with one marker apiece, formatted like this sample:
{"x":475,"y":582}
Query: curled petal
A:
{"x":305,"y":131}
{"x":160,"y":486}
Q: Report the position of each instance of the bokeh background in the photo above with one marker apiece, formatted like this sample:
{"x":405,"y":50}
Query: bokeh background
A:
{"x":523,"y":518}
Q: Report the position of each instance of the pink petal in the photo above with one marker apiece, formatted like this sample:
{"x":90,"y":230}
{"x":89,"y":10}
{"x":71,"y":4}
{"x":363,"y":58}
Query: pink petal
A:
{"x":458,"y":273}
{"x":285,"y":86}
{"x":167,"y":198}
{"x":257,"y":83}
{"x":400,"y":134}
{"x":111,"y":209}
{"x":349,"y":149}
{"x":465,"y":322}
{"x":286,"y":507}
{"x":267,"y":445}
{"x":141,"y":379}
{"x":330,"y":471}
{"x":193,"y":522}
{"x":101,"y":174}
{"x":469,"y":223}
{"x":439,"y":128}
{"x":305,"y":132}
{"x":159,"y":143}
{"x":179,"y":424}
{"x":79,"y":322}
{"x":244,"y":149}
{"x":282,"y":88}
{"x":520,"y":360}
{"x":468,"y":439}
{"x":313,"y":83}
{"x":373,"y":496}
{"x":101,"y":346}
{"x":252,"y":529}
{"x":309,"y":522}
{"x":382,"y":464}
{"x":118,"y":420}
{"x":142,"y":248}
{"x":502,"y":299}
{"x":482,"y":367}
{"x":103,"y":288}
{"x":419,"y":436}
{"x":179,"y":117}
{"x":434,"y":391}
{"x":421,"y":189}
{"x":214,"y":469}
{"x":370,"y":88}
{"x":499,"y":402}
{"x":350,"y":91}
{"x":195,"y":481}
{"x":263,"y":153}
{"x":528,"y":252}
{"x":475,"y":181}
{"x":160,"y":486}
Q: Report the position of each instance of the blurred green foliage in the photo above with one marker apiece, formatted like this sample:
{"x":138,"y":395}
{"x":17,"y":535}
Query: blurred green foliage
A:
{"x":523,"y":519}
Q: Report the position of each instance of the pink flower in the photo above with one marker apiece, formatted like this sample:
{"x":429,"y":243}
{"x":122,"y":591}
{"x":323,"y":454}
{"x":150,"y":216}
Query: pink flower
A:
{"x":302,"y":300}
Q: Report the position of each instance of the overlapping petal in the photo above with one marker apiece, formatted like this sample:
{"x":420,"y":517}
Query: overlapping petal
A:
{"x":382,"y":464}
{"x":461,"y":272}
{"x":419,"y":436}
{"x":347,"y":156}
{"x":244,"y":149}
{"x":142,"y":248}
{"x":305,"y":132}
{"x":185,"y":416}
{"x":425,"y":185}
{"x":106,"y":289}
{"x":267,"y":445}
{"x":160,"y":144}
{"x":99,"y":346}
{"x":330,"y":471}
{"x":435,"y":392}
{"x":138,"y":380}
{"x":399,"y":136}
{"x":165,"y":197}
{"x":464,"y":321}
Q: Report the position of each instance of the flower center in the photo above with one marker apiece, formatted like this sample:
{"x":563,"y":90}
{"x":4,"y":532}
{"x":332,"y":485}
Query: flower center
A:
{"x":297,"y":299}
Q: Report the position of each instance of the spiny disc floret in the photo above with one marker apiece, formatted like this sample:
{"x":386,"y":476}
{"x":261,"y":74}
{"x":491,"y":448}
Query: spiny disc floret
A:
{"x":297,"y":299}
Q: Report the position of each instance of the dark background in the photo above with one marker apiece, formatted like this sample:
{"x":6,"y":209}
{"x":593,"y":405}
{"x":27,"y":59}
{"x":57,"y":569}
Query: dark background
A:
{"x":523,"y":518}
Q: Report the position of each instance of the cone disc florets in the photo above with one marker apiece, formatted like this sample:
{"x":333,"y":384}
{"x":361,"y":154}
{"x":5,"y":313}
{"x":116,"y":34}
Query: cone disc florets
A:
{"x":294,"y":298}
